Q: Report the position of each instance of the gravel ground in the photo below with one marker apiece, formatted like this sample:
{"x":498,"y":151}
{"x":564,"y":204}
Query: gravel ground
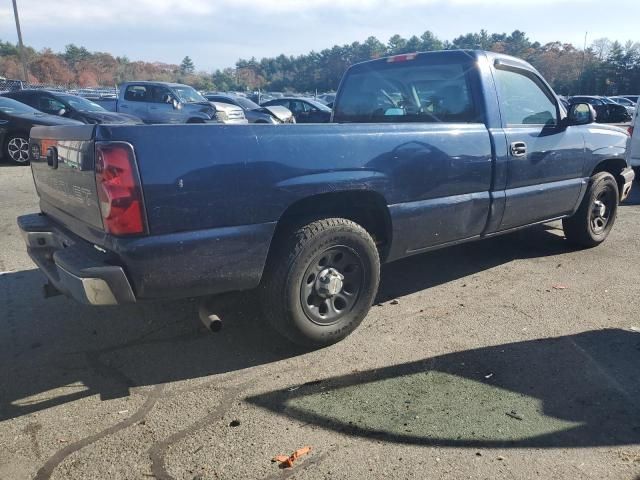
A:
{"x":516,"y":357}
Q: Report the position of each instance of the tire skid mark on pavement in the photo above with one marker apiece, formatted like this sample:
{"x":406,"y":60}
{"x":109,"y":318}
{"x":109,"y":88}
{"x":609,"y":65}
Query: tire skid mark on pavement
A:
{"x":47,"y":469}
{"x":105,"y":370}
{"x":158,"y":450}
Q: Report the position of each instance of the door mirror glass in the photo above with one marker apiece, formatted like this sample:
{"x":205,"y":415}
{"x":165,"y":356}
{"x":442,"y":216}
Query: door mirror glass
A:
{"x":581,"y":114}
{"x":61,"y":112}
{"x":176,"y":104}
{"x":394,"y":112}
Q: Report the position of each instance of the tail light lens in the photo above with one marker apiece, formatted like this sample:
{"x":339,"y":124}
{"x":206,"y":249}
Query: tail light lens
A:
{"x":119,"y":190}
{"x":402,"y":58}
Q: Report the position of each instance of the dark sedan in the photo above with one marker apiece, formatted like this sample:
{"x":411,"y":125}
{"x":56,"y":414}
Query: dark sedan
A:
{"x":305,"y":110}
{"x":252,"y":111}
{"x":70,"y":106}
{"x":16,"y":120}
{"x":607,"y":111}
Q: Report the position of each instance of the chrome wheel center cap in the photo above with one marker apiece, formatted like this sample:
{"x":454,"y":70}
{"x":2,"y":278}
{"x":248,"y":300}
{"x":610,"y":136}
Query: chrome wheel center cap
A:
{"x":329,"y":282}
{"x":600,"y":208}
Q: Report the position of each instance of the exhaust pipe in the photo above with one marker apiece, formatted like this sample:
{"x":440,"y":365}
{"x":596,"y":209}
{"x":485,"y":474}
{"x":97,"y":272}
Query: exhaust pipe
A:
{"x":210,"y":320}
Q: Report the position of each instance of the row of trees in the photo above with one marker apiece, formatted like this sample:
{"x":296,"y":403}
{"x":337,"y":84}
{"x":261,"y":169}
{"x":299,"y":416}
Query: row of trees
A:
{"x":77,"y":66}
{"x":604,"y":68}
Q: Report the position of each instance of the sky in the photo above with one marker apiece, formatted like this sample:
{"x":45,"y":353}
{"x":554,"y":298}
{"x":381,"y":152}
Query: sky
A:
{"x":216,"y":33}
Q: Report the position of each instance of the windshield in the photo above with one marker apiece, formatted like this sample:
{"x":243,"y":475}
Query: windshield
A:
{"x":319,"y":105}
{"x":623,"y":101}
{"x":81,"y":104}
{"x":609,"y":101}
{"x":10,"y":106}
{"x":246,"y":103}
{"x":188,"y":94}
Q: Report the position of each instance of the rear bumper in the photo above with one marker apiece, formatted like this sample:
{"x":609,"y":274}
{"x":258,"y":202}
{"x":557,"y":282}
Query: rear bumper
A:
{"x":126,"y":270}
{"x":628,"y":175}
{"x":73,"y":268}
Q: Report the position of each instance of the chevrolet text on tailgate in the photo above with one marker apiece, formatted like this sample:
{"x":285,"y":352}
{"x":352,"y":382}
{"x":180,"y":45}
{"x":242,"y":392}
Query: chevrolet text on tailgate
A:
{"x":425,"y":150}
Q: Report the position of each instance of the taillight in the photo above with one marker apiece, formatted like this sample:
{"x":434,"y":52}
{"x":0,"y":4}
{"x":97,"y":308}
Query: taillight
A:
{"x":402,"y":58}
{"x":119,"y":189}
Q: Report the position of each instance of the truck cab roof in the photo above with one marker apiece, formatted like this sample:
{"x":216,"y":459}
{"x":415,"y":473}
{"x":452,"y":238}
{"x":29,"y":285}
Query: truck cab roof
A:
{"x":452,"y":56}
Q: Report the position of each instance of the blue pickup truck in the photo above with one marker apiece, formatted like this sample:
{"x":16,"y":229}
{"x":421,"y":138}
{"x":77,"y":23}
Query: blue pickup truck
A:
{"x":424,"y":151}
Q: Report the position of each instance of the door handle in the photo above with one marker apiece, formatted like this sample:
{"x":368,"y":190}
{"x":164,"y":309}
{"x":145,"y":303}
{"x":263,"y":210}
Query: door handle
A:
{"x":518,"y":149}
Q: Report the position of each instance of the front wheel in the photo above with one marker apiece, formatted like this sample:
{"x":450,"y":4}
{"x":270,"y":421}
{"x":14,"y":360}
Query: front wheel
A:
{"x":320,"y":281}
{"x":16,"y":148}
{"x":594,"y":219}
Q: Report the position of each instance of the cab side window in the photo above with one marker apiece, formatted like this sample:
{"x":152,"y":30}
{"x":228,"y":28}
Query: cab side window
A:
{"x":49,"y":105}
{"x":160,"y":95}
{"x":136,"y":93}
{"x":523,"y":100}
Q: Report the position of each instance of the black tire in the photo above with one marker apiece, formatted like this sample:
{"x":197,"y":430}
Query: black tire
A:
{"x":16,"y":148}
{"x":593,"y":221}
{"x":291,"y":291}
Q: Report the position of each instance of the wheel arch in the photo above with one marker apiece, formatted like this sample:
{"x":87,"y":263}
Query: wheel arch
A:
{"x":365,"y":207}
{"x":614,"y":166}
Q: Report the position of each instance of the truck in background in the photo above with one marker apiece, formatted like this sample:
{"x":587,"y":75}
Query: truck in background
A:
{"x":161,"y":102}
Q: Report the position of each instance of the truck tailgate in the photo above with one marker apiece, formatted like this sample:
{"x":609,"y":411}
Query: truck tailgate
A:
{"x":62,"y":162}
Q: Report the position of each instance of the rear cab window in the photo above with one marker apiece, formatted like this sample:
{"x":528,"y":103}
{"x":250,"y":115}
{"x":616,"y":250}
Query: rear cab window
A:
{"x":424,"y":89}
{"x":136,"y":93}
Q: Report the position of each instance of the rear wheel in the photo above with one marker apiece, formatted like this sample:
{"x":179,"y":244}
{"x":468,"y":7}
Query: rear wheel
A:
{"x":320,"y":281}
{"x":16,"y":148}
{"x":593,"y":221}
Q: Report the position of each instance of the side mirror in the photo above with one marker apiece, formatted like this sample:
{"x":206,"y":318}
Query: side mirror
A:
{"x":61,"y":112}
{"x":176,"y":104}
{"x":581,"y":114}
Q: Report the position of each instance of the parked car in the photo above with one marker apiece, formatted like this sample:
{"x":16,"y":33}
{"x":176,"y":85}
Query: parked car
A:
{"x":69,"y":106}
{"x":623,"y":101}
{"x":327,"y":98}
{"x":252,"y":111}
{"x":633,"y":98}
{"x":160,"y":102}
{"x":626,"y":103}
{"x":428,"y":150}
{"x":633,"y":153}
{"x":16,"y":120}
{"x":607,"y":110}
{"x":305,"y":110}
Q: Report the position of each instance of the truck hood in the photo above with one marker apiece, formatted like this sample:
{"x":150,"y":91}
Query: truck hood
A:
{"x":281,"y":113}
{"x":46,"y":119}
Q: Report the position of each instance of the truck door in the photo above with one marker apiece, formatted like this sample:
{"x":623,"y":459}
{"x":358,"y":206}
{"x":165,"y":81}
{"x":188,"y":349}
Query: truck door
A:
{"x":545,"y":158}
{"x":161,"y":109}
{"x":135,"y":101}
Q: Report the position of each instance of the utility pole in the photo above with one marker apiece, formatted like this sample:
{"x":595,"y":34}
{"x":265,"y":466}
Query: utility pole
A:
{"x":20,"y":44}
